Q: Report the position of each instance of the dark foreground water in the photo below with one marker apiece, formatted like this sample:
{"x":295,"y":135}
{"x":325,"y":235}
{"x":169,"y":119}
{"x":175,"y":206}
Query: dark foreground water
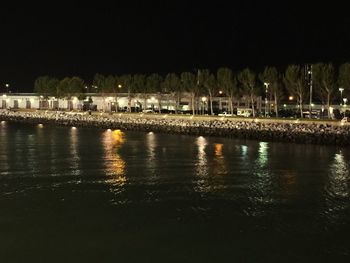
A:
{"x":88,"y":195}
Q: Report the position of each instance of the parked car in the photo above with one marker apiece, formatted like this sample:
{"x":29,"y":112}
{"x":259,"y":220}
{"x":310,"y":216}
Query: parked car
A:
{"x":148,"y":111}
{"x":225,"y":114}
{"x":244,"y":112}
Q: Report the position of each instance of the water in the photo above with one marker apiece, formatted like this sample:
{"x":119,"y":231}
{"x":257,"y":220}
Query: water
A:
{"x":89,"y":195}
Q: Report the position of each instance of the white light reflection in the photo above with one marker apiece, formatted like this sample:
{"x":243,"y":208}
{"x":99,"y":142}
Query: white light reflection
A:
{"x":151,"y":151}
{"x":337,"y":190}
{"x":73,"y":147}
{"x":262,"y":185}
{"x":115,"y":165}
{"x":201,"y":167}
{"x":339,"y":177}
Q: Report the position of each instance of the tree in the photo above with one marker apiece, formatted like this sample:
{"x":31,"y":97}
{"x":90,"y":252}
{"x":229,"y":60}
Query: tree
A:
{"x":69,"y":88}
{"x":271,"y":76}
{"x":294,"y":81}
{"x":127,"y":84}
{"x":153,"y":85}
{"x":248,"y":81}
{"x":227,"y":81}
{"x":344,"y":77}
{"x":324,"y":79}
{"x":207,"y":82}
{"x":41,"y":87}
{"x":139,"y":82}
{"x":172,"y":84}
{"x":188,"y":80}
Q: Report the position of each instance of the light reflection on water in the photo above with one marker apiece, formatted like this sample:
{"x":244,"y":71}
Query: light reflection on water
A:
{"x":261,"y":185}
{"x":248,"y":190}
{"x":114,"y":163}
{"x":219,"y":162}
{"x":73,"y":149}
{"x":151,"y":145}
{"x":337,"y":189}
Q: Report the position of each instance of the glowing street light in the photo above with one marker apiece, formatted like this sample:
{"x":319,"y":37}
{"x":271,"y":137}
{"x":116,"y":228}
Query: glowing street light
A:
{"x":120,"y":86}
{"x":7,"y":87}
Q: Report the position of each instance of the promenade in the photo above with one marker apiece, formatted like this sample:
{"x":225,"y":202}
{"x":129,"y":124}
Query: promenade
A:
{"x":285,"y":130}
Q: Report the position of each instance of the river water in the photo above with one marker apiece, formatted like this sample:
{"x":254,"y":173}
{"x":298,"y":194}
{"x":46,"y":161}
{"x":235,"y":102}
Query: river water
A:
{"x":90,"y":195}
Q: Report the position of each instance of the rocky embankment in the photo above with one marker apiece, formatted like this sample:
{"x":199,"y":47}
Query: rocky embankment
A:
{"x":317,"y":133}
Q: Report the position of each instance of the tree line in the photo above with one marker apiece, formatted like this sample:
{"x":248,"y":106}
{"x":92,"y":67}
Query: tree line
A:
{"x":246,"y":85}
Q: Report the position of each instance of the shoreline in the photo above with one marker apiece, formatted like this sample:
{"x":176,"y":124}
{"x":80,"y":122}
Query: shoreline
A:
{"x":295,"y":131}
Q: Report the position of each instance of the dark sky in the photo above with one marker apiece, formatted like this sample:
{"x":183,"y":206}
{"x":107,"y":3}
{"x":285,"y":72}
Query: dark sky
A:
{"x":165,"y":36}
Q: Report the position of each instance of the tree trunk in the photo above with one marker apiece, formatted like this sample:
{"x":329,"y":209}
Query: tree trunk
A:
{"x":231,"y":104}
{"x":253,"y":108}
{"x":129,"y":101}
{"x":145,"y":102}
{"x":328,"y":104}
{"x":159,"y":103}
{"x":211,"y":103}
{"x":276,"y":106}
{"x":301,"y":107}
{"x":177,"y":103}
{"x":116,"y":103}
{"x":193,"y":106}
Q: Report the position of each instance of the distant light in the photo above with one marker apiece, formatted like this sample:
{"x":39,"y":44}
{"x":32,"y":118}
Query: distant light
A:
{"x":341,"y":89}
{"x":220,"y":92}
{"x":150,"y":133}
{"x":4,"y":96}
{"x":40,"y":125}
{"x":119,"y":86}
{"x":256,"y":120}
{"x":284,"y":105}
{"x":290,"y":98}
{"x":2,"y":122}
{"x":312,"y":105}
{"x":109,"y":130}
{"x":7,"y":85}
{"x":74,"y":128}
{"x":204,"y":99}
{"x":164,"y":116}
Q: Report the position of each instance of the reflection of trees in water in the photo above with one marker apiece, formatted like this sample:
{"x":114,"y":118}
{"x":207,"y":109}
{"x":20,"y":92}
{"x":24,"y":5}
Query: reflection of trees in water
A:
{"x":337,"y":188}
{"x":115,"y":165}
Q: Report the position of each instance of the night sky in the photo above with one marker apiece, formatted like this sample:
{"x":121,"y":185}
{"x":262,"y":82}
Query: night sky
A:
{"x":165,"y":36}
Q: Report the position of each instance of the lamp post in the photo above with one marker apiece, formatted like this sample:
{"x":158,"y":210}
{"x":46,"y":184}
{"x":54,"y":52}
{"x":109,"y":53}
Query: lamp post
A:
{"x":310,"y":83}
{"x":7,"y":87}
{"x":341,"y":95}
{"x":266,"y":90}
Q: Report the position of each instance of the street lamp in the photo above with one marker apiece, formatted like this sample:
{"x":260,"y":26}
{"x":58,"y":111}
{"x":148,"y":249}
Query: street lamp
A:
{"x":7,"y":87}
{"x":341,"y":95}
{"x":266,"y":90}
